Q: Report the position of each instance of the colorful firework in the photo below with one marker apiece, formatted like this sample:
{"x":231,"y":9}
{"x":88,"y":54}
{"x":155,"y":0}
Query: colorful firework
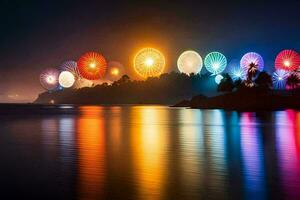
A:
{"x":66,"y":79}
{"x":237,"y":73}
{"x":215,"y":62}
{"x":288,"y":60}
{"x":234,"y":70}
{"x":218,"y":79}
{"x":71,"y":66}
{"x":252,"y":59}
{"x":92,"y":66}
{"x":115,"y":71}
{"x":279,"y":79}
{"x":149,"y":62}
{"x":49,"y":79}
{"x":189,"y":62}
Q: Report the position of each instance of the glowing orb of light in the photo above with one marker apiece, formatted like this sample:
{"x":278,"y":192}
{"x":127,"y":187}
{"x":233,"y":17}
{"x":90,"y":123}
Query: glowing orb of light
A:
{"x":71,"y":66}
{"x":287,"y":63}
{"x":215,"y":62}
{"x":252,"y":58}
{"x":92,"y":66}
{"x":49,"y":79}
{"x":189,"y":62}
{"x":218,"y":79}
{"x":149,"y":62}
{"x":66,"y":79}
{"x":279,"y":78}
{"x":115,"y":71}
{"x":288,"y":60}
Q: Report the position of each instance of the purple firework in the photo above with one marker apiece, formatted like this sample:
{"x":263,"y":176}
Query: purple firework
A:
{"x":71,"y":66}
{"x":252,"y":58}
{"x":49,"y":79}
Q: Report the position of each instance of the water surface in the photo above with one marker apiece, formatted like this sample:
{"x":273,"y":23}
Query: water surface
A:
{"x":150,"y":152}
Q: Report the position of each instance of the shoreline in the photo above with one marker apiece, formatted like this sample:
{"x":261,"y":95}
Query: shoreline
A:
{"x":247,"y":100}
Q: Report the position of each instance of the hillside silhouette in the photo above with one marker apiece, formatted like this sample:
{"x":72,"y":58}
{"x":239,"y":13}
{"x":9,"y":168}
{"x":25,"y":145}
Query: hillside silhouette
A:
{"x":253,"y":94}
{"x":195,"y":91}
{"x":167,"y":89}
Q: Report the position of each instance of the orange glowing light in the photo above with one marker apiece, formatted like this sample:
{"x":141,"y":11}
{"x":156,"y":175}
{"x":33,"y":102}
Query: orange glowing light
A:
{"x":91,"y":152}
{"x":148,"y":144}
{"x":92,"y":66}
{"x":114,"y":71}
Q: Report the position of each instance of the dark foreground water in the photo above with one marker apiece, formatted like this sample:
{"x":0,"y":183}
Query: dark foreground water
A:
{"x":150,"y":152}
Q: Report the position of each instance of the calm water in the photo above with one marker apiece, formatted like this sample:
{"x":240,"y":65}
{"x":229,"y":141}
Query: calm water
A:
{"x":151,"y":152}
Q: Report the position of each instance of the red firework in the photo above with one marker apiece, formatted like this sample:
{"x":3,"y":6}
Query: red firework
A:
{"x":288,"y":60}
{"x":92,"y":66}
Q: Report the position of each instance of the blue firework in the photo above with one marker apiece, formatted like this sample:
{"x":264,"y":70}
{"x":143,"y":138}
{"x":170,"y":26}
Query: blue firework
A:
{"x":279,"y":79}
{"x":215,"y":62}
{"x":238,"y":73}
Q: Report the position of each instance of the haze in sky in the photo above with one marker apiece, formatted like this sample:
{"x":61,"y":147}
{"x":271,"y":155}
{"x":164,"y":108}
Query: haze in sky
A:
{"x":37,"y":34}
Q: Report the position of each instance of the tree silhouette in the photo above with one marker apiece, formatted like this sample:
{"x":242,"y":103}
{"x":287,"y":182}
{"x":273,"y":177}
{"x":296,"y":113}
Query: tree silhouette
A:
{"x":238,"y":83}
{"x":293,"y":81}
{"x":251,"y":73}
{"x":124,"y":79}
{"x":226,"y":84}
{"x":169,"y":88}
{"x":264,"y":81}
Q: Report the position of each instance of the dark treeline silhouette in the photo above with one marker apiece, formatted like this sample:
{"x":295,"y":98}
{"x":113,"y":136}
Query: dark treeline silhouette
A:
{"x":197,"y":91}
{"x":253,"y":94}
{"x":259,"y":82}
{"x":169,"y":88}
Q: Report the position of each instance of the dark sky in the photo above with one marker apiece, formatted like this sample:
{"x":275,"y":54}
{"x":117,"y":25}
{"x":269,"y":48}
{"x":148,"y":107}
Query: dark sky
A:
{"x":38,"y":34}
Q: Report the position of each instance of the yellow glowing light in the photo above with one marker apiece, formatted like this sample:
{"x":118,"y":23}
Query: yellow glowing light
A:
{"x":189,"y":62}
{"x":287,"y":63}
{"x":148,"y":143}
{"x":92,"y":65}
{"x":114,"y":71}
{"x":66,"y":79}
{"x":149,"y":62}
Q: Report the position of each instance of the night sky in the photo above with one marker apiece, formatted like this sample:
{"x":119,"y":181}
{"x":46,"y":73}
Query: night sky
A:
{"x":39,"y":34}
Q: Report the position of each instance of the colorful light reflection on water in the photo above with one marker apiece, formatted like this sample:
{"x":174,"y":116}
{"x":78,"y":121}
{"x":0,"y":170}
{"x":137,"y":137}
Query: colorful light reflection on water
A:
{"x":153,"y":152}
{"x":287,"y":137}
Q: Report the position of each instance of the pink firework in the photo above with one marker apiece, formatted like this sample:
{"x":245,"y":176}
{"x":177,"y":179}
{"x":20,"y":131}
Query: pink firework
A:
{"x":49,"y":79}
{"x":252,"y":58}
